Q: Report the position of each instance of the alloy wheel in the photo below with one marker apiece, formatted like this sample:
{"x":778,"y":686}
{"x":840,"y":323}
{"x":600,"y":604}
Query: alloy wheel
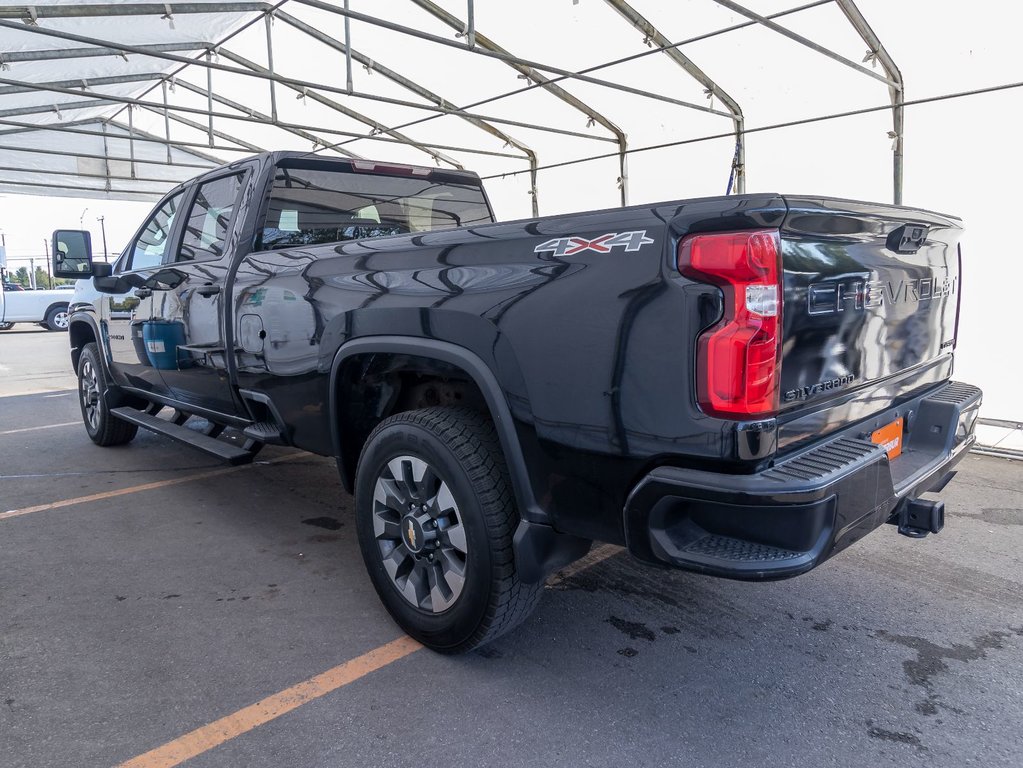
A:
{"x":88,"y":383}
{"x":419,"y":534}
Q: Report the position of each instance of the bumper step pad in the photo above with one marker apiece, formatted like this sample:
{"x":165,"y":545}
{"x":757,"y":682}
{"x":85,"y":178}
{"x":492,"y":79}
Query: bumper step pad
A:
{"x":737,"y":550}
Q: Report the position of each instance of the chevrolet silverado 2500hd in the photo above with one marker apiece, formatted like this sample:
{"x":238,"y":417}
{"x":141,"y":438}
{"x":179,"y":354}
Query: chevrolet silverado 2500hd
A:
{"x":740,"y":386}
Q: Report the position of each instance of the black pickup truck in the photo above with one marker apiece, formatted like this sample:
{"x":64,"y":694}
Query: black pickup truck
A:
{"x":740,"y":386}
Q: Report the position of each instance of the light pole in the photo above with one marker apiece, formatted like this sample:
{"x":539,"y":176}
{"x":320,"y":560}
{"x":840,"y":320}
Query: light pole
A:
{"x":49,"y":272}
{"x":103,"y":228}
{"x":81,"y":219}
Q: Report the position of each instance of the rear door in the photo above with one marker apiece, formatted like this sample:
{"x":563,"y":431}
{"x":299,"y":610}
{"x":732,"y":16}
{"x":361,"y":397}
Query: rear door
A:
{"x":871,"y":298}
{"x":189,"y":307}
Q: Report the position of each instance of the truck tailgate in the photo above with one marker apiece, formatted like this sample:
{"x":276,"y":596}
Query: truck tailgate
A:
{"x":870,"y":310}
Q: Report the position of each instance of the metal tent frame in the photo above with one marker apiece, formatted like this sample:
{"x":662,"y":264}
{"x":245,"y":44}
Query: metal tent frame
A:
{"x":151,"y":73}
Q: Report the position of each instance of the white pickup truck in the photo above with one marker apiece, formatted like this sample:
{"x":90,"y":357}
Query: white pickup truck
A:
{"x":47,"y":308}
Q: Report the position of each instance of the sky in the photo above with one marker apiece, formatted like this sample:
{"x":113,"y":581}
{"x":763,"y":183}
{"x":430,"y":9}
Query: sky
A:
{"x":961,"y":155}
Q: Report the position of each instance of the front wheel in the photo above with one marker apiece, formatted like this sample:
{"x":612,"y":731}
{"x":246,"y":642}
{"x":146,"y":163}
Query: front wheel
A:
{"x":103,"y":427}
{"x":57,"y":319}
{"x":435,"y":516}
{"x":6,"y":326}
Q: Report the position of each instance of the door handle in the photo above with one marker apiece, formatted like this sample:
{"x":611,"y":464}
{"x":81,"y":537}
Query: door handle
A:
{"x":143,"y":293}
{"x":208,"y":290}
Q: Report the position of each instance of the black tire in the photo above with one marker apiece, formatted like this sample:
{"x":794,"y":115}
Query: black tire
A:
{"x":57,"y":318}
{"x":103,"y":428}
{"x":6,"y":326}
{"x":460,"y":449}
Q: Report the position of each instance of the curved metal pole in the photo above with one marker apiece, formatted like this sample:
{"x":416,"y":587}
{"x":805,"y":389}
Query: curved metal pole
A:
{"x":530,"y":73}
{"x":422,"y":92}
{"x":654,"y":36}
{"x":783,"y":31}
{"x":214,"y":97}
{"x":364,"y":119}
{"x":896,"y":88}
{"x":479,"y":50}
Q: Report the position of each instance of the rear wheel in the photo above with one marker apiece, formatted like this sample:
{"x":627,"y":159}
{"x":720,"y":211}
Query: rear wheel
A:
{"x":435,"y":516}
{"x":57,"y":319}
{"x":6,"y":326}
{"x":103,"y":427}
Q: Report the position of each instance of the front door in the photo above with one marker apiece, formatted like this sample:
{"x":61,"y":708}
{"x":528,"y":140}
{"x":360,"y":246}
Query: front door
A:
{"x":190,"y":301}
{"x":125,"y":317}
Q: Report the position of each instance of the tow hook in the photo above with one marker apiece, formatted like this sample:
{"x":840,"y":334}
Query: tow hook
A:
{"x":918,"y":517}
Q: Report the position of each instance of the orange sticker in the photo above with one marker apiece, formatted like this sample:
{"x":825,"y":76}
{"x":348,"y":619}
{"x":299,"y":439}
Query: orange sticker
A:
{"x":889,"y":437}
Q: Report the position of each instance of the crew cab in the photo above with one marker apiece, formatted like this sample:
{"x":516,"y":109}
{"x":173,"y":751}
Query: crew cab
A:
{"x":47,"y":308}
{"x":740,"y":386}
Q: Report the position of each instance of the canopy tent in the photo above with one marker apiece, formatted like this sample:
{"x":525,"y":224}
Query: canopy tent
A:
{"x":122,"y":100}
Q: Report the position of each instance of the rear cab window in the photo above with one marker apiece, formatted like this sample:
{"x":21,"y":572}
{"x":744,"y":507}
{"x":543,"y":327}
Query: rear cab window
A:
{"x":209,"y":220}
{"x":315,"y":201}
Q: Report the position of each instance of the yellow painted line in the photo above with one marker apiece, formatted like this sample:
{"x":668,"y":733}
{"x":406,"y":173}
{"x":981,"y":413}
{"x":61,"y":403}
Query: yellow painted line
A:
{"x":598,"y":555}
{"x":244,"y":720}
{"x":46,"y":426}
{"x":220,"y":731}
{"x":138,"y":488}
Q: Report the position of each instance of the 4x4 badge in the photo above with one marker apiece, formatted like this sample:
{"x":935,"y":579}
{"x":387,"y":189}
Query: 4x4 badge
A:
{"x":569,"y":246}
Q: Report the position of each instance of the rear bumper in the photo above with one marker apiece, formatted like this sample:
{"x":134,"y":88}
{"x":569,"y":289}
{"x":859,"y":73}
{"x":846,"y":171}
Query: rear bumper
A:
{"x":790,"y":518}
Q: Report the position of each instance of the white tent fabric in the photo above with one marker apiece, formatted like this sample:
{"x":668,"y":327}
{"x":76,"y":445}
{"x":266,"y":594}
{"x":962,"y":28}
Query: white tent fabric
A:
{"x":309,"y":74}
{"x":81,"y":146}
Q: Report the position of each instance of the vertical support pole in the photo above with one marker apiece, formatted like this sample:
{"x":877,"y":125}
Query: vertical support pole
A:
{"x":623,"y":171}
{"x":898,"y":109}
{"x":209,"y":93}
{"x":270,"y":65}
{"x":166,"y":122}
{"x":470,"y":32}
{"x":737,"y":176}
{"x":106,"y":156}
{"x":533,"y":191}
{"x":131,"y":140}
{"x":348,"y":51}
{"x":740,"y":155}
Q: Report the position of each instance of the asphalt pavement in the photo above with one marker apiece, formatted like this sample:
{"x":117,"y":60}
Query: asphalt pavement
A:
{"x":158,"y":608}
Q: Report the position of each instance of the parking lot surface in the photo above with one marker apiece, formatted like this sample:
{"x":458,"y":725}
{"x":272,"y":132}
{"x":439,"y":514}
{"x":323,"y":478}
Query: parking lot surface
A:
{"x":159,"y":608}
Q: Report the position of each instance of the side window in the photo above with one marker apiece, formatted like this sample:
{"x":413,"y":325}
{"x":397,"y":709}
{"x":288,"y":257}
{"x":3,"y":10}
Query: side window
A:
{"x":147,"y":251}
{"x":208,"y":221}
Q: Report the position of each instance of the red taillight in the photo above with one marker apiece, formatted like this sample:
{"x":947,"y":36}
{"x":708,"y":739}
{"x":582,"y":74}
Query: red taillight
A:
{"x":739,"y":358}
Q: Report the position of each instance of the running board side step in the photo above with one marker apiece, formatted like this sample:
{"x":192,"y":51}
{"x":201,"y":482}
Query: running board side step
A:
{"x":232,"y":454}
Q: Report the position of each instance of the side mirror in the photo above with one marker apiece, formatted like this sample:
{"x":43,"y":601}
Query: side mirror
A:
{"x":104,"y":281}
{"x":72,"y":253}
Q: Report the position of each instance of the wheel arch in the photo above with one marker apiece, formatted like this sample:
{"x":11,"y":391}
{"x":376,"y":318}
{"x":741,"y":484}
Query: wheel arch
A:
{"x":475,"y":369}
{"x":82,"y":330}
{"x":56,"y":305}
